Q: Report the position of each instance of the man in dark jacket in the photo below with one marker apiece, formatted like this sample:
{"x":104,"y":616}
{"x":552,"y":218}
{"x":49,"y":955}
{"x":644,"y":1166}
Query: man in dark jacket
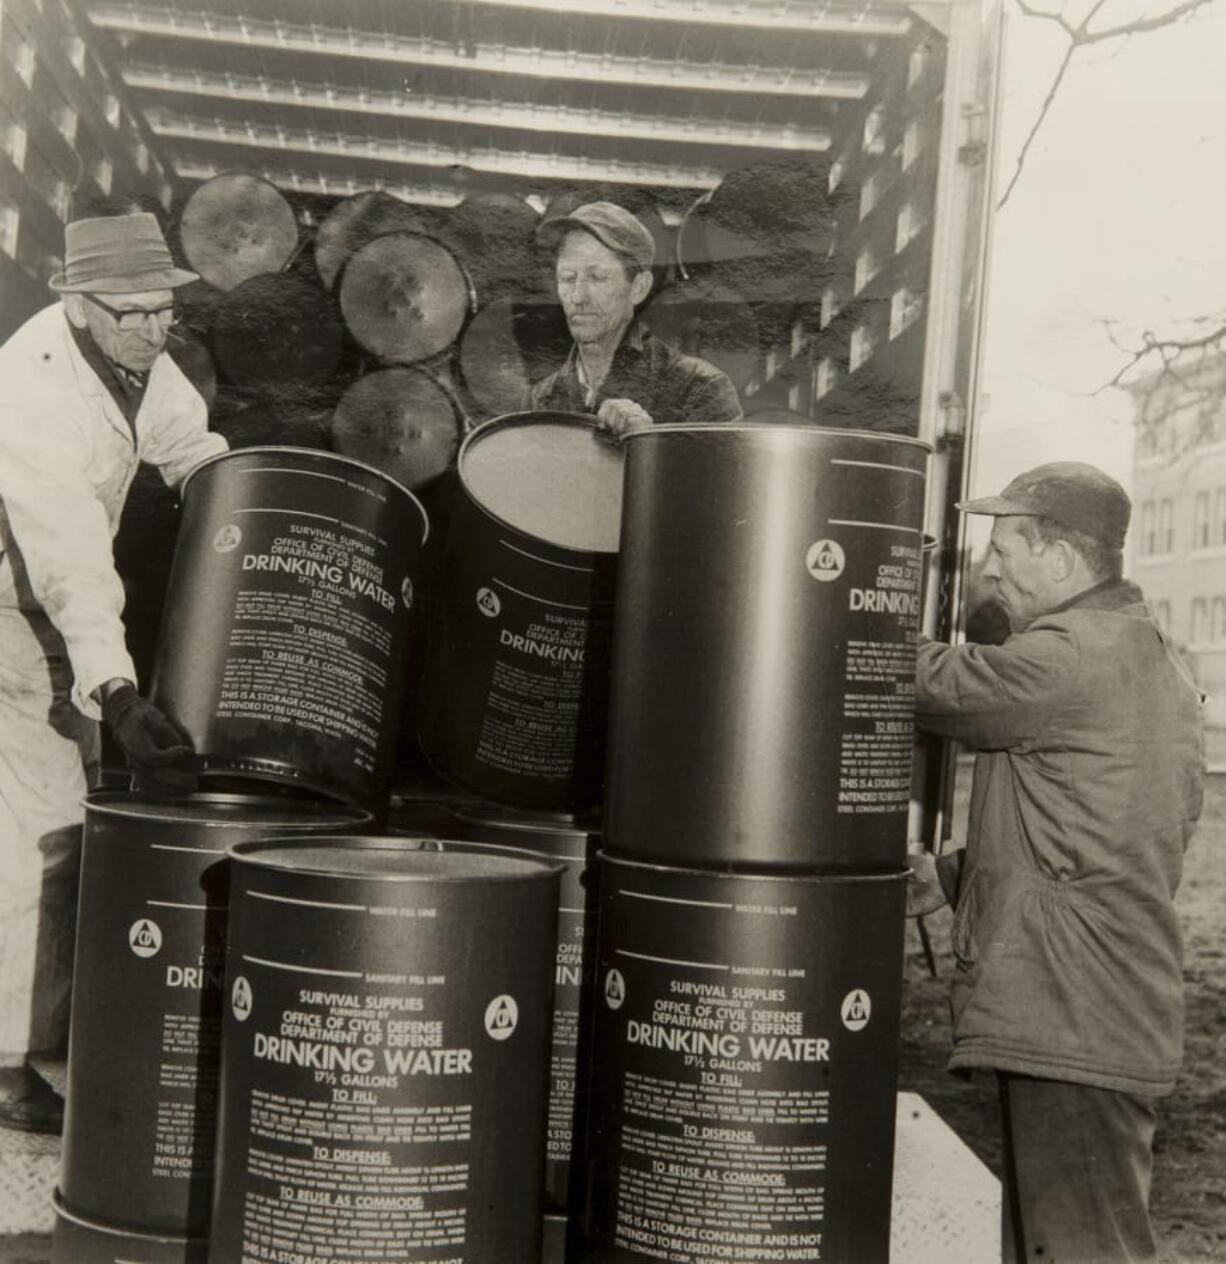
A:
{"x":617,"y":369}
{"x":1087,"y":786}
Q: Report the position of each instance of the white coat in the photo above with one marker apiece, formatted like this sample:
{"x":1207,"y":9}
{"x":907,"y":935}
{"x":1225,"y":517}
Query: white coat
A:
{"x":67,"y":459}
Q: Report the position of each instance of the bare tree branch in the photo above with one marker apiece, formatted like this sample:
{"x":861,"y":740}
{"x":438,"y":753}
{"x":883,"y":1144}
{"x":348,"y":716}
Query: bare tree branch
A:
{"x":1081,"y":36}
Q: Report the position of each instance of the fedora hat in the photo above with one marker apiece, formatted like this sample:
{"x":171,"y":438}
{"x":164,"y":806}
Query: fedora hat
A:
{"x":117,"y":254}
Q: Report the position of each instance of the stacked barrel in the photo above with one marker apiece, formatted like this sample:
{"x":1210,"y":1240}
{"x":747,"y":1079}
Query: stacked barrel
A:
{"x":285,"y":1037}
{"x":742,"y":1097}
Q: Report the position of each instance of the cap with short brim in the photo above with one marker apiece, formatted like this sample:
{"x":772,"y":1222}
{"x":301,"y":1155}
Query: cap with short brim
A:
{"x":1071,"y":493}
{"x":117,"y":254}
{"x":612,"y":225}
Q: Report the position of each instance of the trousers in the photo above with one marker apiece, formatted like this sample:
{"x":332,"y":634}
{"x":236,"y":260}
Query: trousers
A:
{"x":1078,"y":1165}
{"x":49,"y":756}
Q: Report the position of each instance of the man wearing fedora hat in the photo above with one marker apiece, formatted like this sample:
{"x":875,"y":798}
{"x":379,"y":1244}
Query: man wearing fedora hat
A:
{"x":88,"y":394}
{"x":1087,"y":785}
{"x":618,"y":369}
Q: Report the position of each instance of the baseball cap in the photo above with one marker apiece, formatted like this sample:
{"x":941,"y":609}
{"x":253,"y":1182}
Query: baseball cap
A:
{"x":1074,"y":494}
{"x":610,"y":224}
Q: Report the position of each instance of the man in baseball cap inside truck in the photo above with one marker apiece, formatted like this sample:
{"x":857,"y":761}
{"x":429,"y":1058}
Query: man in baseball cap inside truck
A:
{"x":617,"y":369}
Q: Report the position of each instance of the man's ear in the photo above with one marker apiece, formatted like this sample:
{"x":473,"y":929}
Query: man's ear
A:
{"x":74,"y":309}
{"x":640,"y":287}
{"x":1062,"y":558}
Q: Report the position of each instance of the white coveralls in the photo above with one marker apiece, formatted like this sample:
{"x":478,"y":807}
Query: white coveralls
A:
{"x":67,"y":459}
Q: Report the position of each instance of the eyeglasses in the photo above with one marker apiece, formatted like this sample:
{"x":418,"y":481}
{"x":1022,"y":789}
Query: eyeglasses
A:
{"x":132,"y":318}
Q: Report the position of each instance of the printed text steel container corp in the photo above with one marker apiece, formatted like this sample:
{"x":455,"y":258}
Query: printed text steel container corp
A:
{"x":567,"y":842}
{"x":385,"y":1055}
{"x":746,"y":1063}
{"x":516,"y":704}
{"x":283,"y":644}
{"x":764,"y":653}
{"x":146,"y":1014}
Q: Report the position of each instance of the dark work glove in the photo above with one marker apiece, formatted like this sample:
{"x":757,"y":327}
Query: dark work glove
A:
{"x":156,"y":748}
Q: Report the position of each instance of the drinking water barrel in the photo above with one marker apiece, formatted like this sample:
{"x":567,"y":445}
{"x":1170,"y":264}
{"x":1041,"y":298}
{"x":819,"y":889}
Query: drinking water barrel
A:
{"x":235,"y":227}
{"x":564,"y":841}
{"x":405,"y":297}
{"x":746,"y":1065}
{"x":508,"y":345}
{"x":402,"y":421}
{"x":277,"y":335}
{"x":708,"y":318}
{"x":355,"y":220}
{"x":761,"y":708}
{"x":514,"y":704}
{"x":287,"y":618}
{"x":76,"y":1239}
{"x":146,"y":1015}
{"x":386,"y":1053}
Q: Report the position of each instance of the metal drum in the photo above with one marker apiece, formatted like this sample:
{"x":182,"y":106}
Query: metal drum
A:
{"x":283,"y":645}
{"x":235,"y":227}
{"x":761,"y":711}
{"x":506,"y":347}
{"x":767,"y":229}
{"x":402,"y":421}
{"x":277,"y":334}
{"x":77,"y":1239}
{"x":495,"y":236}
{"x":385,"y":1054}
{"x":356,"y":220}
{"x":146,"y":1014}
{"x":746,"y":1064}
{"x":514,"y":704}
{"x":708,"y":318}
{"x":405,"y":297}
{"x":561,"y":840}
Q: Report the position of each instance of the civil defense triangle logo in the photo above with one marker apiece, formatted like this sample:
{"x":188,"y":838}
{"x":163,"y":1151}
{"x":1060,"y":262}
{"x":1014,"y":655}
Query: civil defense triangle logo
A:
{"x":856,"y":1010}
{"x":144,"y":937}
{"x":614,"y":989}
{"x":501,"y":1017}
{"x":825,"y":560}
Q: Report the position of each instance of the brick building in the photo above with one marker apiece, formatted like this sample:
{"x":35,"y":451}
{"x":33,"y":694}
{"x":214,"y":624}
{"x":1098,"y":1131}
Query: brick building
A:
{"x":1178,"y":538}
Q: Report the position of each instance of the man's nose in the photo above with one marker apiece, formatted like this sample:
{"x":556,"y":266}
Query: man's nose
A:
{"x":991,"y":568}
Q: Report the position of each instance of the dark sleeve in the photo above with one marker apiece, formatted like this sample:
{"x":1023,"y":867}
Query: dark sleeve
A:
{"x":949,"y":874}
{"x":711,"y":397}
{"x":993,"y":697}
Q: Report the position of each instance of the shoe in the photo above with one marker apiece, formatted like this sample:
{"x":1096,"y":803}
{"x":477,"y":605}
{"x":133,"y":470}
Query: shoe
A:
{"x":28,"y":1103}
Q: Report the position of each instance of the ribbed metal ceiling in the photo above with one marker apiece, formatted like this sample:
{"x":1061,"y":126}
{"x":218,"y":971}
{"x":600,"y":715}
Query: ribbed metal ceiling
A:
{"x":435,"y":98}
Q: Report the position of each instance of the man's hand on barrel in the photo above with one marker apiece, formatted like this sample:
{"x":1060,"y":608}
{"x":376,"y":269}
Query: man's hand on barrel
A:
{"x":156,"y":748}
{"x":925,"y":894}
{"x":619,"y":417}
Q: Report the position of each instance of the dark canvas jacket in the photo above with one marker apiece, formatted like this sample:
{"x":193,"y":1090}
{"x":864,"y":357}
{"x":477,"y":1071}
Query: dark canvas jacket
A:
{"x":671,"y":387}
{"x":1087,"y":785}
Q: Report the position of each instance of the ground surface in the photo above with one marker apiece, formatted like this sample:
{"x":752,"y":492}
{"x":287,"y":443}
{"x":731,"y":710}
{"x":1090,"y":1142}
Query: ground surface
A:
{"x":1189,"y":1198}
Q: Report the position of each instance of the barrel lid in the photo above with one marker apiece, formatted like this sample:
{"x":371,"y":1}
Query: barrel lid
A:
{"x":504,"y":817}
{"x":402,"y":421}
{"x":236,"y":226}
{"x":507,"y":346}
{"x":229,"y":810}
{"x":707,"y":317}
{"x":805,"y":877}
{"x":781,"y":420}
{"x":549,"y":475}
{"x":405,"y":297}
{"x":388,"y":858}
{"x":277,"y":330}
{"x":316,"y":455}
{"x":355,"y":220}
